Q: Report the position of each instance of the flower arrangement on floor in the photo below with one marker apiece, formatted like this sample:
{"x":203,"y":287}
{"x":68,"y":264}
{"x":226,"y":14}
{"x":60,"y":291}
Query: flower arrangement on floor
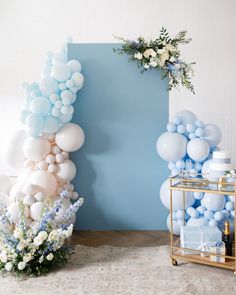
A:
{"x":162,"y":54}
{"x":35,"y":248}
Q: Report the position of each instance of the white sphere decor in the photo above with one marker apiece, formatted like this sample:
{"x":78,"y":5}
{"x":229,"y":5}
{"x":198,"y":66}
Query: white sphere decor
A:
{"x":36,"y":149}
{"x":66,"y":171}
{"x":198,"y":149}
{"x":44,"y":181}
{"x":36,"y":210}
{"x":70,"y":137}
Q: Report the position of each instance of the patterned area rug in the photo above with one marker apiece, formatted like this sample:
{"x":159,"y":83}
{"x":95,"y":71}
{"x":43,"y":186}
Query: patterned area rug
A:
{"x":110,"y":270}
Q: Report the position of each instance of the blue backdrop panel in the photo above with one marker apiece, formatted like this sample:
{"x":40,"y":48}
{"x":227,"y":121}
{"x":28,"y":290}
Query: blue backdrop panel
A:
{"x":122,"y":114}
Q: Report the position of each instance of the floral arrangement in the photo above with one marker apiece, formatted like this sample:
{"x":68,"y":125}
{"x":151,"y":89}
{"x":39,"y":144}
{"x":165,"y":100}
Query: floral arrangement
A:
{"x":230,"y":173}
{"x":35,"y":248}
{"x":162,"y":54}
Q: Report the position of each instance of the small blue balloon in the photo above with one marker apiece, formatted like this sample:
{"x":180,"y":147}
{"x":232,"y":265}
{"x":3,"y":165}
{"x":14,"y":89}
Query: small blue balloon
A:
{"x":181,"y":128}
{"x":201,"y":209}
{"x":232,"y":213}
{"x":226,"y":213}
{"x":200,"y":132}
{"x":24,"y":115}
{"x":218,"y":216}
{"x":34,"y":122}
{"x":40,"y":105}
{"x":177,"y":120}
{"x":198,"y":196}
{"x":174,"y":172}
{"x":192,"y":135}
{"x":171,"y":165}
{"x":171,"y":127}
{"x":199,"y":123}
{"x":213,"y":222}
{"x":198,"y":166}
{"x":50,"y":125}
{"x":208,"y":214}
{"x":191,"y":128}
{"x":180,"y":164}
{"x":229,"y":206}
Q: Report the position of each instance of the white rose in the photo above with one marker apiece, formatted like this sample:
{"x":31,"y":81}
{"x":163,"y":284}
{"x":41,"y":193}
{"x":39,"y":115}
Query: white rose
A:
{"x":21,"y":265}
{"x":153,"y":64}
{"x":3,"y":257}
{"x":138,"y":55}
{"x":38,"y":241}
{"x":21,"y":245}
{"x":146,"y":66}
{"x":42,"y":235}
{"x":27,"y":258}
{"x":8,"y":266}
{"x":172,"y":59}
{"x":41,"y":259}
{"x":149,"y":53}
{"x":170,"y":47}
{"x":18,"y":233}
{"x":160,"y":51}
{"x":50,"y":257}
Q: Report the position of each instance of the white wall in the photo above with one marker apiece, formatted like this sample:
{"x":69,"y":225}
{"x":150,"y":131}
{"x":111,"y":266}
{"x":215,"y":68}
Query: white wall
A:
{"x":30,"y":28}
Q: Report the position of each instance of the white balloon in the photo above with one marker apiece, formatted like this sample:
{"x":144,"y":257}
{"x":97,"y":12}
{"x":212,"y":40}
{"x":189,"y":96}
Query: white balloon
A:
{"x":60,"y":158}
{"x":5,"y":184}
{"x":66,"y":171}
{"x":36,"y":210}
{"x":61,"y":72}
{"x":70,"y":137}
{"x":29,"y":189}
{"x":44,"y":181}
{"x":198,"y":149}
{"x":75,"y":196}
{"x":52,"y":168}
{"x":42,"y":165}
{"x":29,"y":200}
{"x":74,"y":65}
{"x":50,"y":159}
{"x":16,"y":192}
{"x":40,"y":196}
{"x":55,"y":150}
{"x":14,"y":153}
{"x":36,"y":149}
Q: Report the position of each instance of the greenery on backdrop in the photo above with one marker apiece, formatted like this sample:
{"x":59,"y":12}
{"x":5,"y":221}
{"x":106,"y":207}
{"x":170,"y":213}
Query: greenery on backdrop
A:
{"x":162,"y":54}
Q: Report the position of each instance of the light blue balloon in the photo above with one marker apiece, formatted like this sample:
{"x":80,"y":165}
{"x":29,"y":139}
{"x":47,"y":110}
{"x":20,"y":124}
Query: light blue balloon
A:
{"x":190,"y":128}
{"x":199,"y":124}
{"x":232,"y":213}
{"x":177,"y":120}
{"x":180,"y":164}
{"x":198,"y":196}
{"x":198,"y":166}
{"x":24,"y":115}
{"x":193,"y":172}
{"x":213,"y":134}
{"x":192,"y":135}
{"x":226,"y":213}
{"x":48,"y":86}
{"x":171,"y":127}
{"x":187,"y":117}
{"x":174,"y":172}
{"x":51,"y":125}
{"x":181,"y":129}
{"x":67,"y":97}
{"x":200,"y":132}
{"x":56,"y":112}
{"x":218,"y":216}
{"x":201,"y":209}
{"x":34,"y":133}
{"x":40,"y":105}
{"x":171,"y":165}
{"x":208,"y":214}
{"x":34,"y":122}
{"x":229,"y":206}
{"x":214,"y":202}
{"x":171,"y":146}
{"x":198,"y":149}
{"x":65,"y":118}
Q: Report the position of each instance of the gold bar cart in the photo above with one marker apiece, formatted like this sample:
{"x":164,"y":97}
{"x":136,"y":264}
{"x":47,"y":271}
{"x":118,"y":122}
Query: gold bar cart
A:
{"x":196,"y":184}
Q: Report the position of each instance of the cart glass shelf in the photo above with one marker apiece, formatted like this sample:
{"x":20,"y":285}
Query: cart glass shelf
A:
{"x":224,"y":186}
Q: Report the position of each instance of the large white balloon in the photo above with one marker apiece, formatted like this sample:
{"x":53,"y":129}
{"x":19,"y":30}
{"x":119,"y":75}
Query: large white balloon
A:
{"x":36,"y":210}
{"x":198,"y":149}
{"x":36,"y":149}
{"x":66,"y":171}
{"x":187,"y":117}
{"x":70,"y":137}
{"x":5,"y":184}
{"x":177,"y":197}
{"x":44,"y":182}
{"x":171,"y":146}
{"x":14,"y":153}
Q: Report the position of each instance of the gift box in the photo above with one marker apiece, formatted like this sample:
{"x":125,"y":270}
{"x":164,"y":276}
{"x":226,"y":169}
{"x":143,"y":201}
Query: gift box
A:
{"x":218,"y":248}
{"x":199,"y":237}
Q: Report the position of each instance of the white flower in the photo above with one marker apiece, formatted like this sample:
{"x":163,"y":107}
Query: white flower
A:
{"x":69,"y":231}
{"x":53,"y":236}
{"x":149,"y":53}
{"x":160,"y":51}
{"x":138,"y":55}
{"x":146,"y":66}
{"x":42,"y":235}
{"x":8,"y":266}
{"x":27,"y":257}
{"x":172,"y":59}
{"x":3,"y":256}
{"x":50,"y":257}
{"x":18,"y":233}
{"x":21,"y":245}
{"x":170,"y":47}
{"x":38,"y":241}
{"x":153,"y":63}
{"x":41,"y":259}
{"x":21,"y":265}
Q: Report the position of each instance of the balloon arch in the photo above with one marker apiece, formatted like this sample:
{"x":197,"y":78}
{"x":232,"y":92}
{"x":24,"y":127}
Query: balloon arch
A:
{"x":48,"y":139}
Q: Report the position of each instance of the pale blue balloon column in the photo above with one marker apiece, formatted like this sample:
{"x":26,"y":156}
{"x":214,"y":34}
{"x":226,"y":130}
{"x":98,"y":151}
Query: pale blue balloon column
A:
{"x":122,"y":114}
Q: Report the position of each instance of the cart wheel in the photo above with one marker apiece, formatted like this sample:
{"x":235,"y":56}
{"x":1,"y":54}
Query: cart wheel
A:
{"x":174,"y":262}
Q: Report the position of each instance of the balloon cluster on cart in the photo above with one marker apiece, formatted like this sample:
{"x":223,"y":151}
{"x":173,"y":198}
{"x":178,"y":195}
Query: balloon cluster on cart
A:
{"x":43,"y":148}
{"x":188,"y":145}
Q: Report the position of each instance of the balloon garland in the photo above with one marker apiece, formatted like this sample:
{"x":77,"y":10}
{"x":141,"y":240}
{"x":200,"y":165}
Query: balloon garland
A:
{"x":188,"y":145}
{"x":47,"y":112}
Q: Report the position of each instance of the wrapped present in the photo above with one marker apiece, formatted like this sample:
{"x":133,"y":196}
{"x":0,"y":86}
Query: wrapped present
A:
{"x":218,"y":248}
{"x":199,"y":237}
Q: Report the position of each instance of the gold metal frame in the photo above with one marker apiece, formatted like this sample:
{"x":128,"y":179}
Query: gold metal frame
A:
{"x":189,"y":184}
